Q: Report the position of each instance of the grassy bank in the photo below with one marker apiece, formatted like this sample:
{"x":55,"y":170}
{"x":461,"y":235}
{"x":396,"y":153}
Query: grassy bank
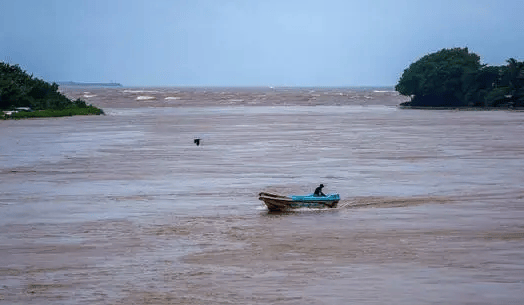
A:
{"x":49,"y":113}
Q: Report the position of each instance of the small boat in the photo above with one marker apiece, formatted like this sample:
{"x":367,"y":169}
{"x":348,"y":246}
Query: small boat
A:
{"x":281,"y":203}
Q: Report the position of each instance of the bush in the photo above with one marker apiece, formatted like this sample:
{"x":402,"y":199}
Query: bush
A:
{"x":19,"y":89}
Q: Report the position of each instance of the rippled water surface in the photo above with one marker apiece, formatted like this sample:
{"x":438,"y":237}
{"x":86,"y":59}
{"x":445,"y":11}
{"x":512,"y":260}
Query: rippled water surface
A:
{"x":126,"y":209}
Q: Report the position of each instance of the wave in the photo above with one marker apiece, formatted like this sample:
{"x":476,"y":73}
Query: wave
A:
{"x":145,"y":97}
{"x":140,"y":91}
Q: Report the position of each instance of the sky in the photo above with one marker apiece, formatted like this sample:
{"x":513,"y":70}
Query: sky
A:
{"x":249,"y":43}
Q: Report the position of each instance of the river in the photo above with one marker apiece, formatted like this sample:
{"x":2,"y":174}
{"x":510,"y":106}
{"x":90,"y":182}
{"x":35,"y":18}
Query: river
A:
{"x":125,"y":209}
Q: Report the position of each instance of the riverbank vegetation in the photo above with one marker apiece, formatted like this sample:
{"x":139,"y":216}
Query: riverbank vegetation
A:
{"x":25,"y":96}
{"x":456,"y":78}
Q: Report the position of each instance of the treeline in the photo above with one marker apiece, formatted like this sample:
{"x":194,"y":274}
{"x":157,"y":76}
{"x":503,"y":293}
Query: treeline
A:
{"x":456,"y":78}
{"x":19,"y":89}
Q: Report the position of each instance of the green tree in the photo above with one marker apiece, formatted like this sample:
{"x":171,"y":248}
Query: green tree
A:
{"x":19,"y":89}
{"x":478,"y":84}
{"x":515,"y":81}
{"x":439,"y":79}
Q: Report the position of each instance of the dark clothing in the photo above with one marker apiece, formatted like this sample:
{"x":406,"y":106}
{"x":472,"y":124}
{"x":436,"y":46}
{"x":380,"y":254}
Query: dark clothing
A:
{"x":318,"y":192}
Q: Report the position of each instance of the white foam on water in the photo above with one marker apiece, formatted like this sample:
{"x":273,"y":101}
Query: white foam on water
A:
{"x":140,"y":91}
{"x":172,"y":98}
{"x":145,"y":97}
{"x":89,"y":95}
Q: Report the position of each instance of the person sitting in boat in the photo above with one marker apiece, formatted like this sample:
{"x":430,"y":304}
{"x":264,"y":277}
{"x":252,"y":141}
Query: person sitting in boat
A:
{"x":318,"y":191}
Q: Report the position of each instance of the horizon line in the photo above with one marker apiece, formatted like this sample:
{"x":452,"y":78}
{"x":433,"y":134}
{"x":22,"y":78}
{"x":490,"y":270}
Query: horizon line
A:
{"x":230,"y":86}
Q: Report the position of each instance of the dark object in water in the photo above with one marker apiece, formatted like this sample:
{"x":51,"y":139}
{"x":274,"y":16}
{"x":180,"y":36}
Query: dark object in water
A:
{"x":197,"y":142}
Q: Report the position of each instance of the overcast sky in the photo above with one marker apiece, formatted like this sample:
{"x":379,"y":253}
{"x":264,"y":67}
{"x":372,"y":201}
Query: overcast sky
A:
{"x":249,"y":43}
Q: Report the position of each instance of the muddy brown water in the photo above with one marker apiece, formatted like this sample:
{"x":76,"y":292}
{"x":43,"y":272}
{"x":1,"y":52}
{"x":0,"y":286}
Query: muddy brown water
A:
{"x":125,"y":209}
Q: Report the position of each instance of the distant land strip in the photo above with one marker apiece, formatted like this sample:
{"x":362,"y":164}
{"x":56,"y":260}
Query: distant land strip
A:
{"x":90,"y":84}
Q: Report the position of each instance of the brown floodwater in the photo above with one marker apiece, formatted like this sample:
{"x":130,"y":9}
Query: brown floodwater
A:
{"x":126,"y":209}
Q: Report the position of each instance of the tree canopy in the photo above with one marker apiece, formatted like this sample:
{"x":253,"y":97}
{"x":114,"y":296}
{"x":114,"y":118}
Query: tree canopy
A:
{"x":19,"y":89}
{"x":456,"y":78}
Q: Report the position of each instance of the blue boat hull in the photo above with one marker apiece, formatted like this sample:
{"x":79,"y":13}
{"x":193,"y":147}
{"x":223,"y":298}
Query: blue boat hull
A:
{"x":313,"y":198}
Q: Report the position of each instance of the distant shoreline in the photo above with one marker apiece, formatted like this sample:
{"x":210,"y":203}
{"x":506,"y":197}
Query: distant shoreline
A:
{"x":77,"y":84}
